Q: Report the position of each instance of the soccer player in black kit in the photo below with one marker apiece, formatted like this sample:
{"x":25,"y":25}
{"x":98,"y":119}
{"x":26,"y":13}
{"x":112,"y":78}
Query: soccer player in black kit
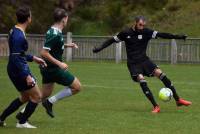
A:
{"x":139,"y":64}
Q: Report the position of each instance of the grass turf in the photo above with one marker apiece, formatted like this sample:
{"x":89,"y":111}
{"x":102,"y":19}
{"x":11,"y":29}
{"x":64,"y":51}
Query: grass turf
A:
{"x":110,"y":103}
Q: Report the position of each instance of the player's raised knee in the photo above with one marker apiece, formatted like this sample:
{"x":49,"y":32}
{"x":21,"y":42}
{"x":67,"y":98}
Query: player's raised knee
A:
{"x":157,"y":72}
{"x":140,"y":77}
{"x":76,"y":86}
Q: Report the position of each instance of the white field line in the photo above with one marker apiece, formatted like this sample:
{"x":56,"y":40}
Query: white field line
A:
{"x":97,"y":86}
{"x":108,"y":87}
{"x":120,"y":87}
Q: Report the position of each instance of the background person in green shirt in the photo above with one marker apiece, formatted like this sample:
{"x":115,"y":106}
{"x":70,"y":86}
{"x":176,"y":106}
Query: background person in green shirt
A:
{"x":56,"y":70}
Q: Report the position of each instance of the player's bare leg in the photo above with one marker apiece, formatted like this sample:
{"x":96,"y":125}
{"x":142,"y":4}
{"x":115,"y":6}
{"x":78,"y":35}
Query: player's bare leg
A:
{"x":160,"y":75}
{"x":34,"y":97}
{"x":46,"y":91}
{"x":76,"y":86}
{"x":67,"y":92}
{"x":13,"y":107}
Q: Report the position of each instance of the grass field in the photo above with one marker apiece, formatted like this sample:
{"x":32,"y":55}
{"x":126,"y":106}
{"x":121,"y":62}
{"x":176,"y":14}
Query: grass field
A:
{"x":110,"y":103}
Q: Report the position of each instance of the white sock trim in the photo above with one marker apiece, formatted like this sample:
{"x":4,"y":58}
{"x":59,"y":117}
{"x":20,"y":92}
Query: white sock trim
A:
{"x":52,"y":99}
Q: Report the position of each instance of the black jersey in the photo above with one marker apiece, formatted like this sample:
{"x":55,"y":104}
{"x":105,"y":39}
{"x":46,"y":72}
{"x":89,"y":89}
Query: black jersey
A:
{"x":136,"y":42}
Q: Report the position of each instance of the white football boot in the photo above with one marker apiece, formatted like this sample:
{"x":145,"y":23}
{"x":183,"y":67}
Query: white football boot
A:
{"x":25,"y":125}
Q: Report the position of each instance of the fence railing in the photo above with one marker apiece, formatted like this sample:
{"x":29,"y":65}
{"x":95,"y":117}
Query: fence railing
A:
{"x":159,"y":50}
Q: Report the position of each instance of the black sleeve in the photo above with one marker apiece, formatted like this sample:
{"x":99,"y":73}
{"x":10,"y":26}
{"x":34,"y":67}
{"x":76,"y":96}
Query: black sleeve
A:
{"x":150,"y":33}
{"x":155,"y":34}
{"x":104,"y":45}
{"x":170,"y":36}
{"x":120,"y":36}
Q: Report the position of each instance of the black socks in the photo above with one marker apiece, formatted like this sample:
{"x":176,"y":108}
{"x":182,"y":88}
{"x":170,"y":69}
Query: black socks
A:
{"x":14,"y":105}
{"x":30,"y":108}
{"x":169,"y":85}
{"x":147,"y":92}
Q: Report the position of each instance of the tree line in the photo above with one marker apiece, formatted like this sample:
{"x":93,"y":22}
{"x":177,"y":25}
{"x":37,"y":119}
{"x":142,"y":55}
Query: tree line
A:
{"x":87,"y":17}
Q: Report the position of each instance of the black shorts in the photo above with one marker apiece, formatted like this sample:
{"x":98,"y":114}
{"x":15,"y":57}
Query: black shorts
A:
{"x":145,"y":68}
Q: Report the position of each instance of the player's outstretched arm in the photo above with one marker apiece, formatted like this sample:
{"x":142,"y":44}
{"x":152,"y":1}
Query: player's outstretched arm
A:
{"x":104,"y":45}
{"x":171,"y":36}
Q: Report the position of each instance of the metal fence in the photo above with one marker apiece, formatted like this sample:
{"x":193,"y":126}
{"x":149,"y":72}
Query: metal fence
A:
{"x":159,"y":50}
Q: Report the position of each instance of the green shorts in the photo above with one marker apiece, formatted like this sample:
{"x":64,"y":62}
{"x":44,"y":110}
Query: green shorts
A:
{"x":60,"y":76}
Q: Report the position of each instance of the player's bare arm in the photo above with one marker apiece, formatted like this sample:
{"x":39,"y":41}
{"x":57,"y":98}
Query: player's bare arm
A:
{"x":72,"y":45}
{"x":39,"y":61}
{"x":45,"y":54}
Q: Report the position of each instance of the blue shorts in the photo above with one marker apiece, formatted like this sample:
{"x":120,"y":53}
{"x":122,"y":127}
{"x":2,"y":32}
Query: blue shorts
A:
{"x":19,"y":81}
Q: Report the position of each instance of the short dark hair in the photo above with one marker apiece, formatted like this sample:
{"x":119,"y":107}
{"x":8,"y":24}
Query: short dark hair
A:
{"x":59,"y":14}
{"x":138,"y":18}
{"x":23,"y":13}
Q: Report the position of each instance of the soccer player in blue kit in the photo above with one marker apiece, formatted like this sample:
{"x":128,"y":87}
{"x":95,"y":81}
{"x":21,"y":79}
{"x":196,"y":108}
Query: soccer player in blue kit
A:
{"x":19,"y":72}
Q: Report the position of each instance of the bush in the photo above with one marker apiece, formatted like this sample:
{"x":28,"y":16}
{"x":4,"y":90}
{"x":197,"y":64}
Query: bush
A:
{"x":116,"y":17}
{"x":174,"y":5}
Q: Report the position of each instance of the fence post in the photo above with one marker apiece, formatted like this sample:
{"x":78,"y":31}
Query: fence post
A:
{"x":118,"y":56}
{"x":173,"y":51}
{"x":69,"y":49}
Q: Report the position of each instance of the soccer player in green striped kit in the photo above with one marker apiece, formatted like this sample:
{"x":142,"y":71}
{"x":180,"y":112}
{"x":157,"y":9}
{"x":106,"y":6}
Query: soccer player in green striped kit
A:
{"x":56,"y":70}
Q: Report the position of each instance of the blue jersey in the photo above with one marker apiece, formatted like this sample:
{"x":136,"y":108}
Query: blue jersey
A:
{"x":18,"y":45}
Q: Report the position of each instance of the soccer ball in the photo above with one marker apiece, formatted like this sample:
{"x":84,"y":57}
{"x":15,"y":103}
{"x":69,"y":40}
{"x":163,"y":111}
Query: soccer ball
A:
{"x":165,"y":94}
